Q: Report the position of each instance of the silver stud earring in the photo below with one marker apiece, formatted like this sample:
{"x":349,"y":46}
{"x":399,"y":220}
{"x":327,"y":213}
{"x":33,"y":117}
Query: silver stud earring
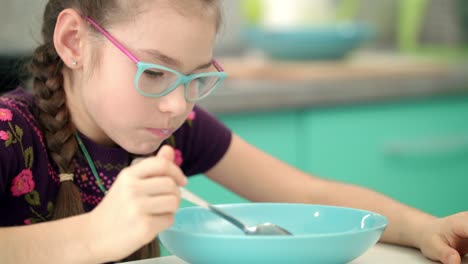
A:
{"x":74,"y":63}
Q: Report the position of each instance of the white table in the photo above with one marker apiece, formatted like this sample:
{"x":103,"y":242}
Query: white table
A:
{"x":380,"y":253}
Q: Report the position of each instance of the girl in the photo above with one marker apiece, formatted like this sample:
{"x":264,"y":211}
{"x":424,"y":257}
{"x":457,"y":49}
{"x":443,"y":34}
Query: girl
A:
{"x":118,"y":79}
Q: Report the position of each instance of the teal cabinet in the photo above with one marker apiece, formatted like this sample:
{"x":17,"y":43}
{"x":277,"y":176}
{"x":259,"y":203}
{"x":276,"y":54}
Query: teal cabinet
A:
{"x":414,"y":151}
{"x":274,"y":132}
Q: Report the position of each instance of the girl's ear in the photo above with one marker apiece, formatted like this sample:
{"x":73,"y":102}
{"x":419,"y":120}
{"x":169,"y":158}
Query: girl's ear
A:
{"x":69,"y":37}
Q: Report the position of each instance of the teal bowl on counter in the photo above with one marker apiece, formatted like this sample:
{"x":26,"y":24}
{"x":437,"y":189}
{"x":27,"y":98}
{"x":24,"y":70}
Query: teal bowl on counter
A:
{"x":324,"y":42}
{"x":321,"y":234}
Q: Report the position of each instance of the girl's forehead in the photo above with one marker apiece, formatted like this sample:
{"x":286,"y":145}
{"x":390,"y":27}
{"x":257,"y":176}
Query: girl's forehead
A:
{"x":187,"y":37}
{"x":159,"y":18}
{"x":160,"y":10}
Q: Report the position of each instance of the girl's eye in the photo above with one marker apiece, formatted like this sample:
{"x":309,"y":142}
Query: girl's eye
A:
{"x":151,"y":73}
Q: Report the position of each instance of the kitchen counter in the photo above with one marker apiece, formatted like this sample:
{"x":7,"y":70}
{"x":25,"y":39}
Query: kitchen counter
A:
{"x":260,"y":84}
{"x":380,"y":253}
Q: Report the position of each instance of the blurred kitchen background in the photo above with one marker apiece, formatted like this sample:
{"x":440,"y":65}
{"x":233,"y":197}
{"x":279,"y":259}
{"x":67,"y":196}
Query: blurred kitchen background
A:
{"x":399,"y":24}
{"x":370,"y":92}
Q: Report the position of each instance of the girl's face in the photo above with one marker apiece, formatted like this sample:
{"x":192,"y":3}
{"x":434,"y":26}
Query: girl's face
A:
{"x":110,"y":110}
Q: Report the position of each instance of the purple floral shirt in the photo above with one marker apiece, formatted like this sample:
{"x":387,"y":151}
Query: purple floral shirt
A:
{"x":28,"y":176}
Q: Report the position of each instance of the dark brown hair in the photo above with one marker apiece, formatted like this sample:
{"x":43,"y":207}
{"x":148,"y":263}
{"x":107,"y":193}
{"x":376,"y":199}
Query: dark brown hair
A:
{"x":50,"y":100}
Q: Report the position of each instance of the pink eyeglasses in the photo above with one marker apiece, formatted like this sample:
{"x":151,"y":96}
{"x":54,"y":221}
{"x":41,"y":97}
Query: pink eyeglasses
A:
{"x":154,"y":80}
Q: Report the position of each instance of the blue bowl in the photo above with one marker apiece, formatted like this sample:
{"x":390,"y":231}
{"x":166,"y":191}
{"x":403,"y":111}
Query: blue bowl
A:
{"x":321,"y":234}
{"x":326,"y":42}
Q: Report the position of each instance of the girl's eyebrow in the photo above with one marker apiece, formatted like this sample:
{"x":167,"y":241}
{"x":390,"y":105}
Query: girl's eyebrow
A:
{"x":172,"y":61}
{"x":204,"y":65}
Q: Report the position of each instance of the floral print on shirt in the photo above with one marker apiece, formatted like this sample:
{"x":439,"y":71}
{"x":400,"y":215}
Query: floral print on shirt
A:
{"x":23,"y":184}
{"x":5,"y":114}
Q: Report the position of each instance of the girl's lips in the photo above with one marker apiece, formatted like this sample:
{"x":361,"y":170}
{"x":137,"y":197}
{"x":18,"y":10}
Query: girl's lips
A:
{"x":162,"y":133}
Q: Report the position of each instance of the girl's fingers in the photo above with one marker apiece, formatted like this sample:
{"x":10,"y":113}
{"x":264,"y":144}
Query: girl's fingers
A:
{"x":460,"y":225}
{"x":442,"y":252}
{"x":162,"y":204}
{"x":158,"y":186}
{"x":166,"y":152}
{"x":157,"y":166}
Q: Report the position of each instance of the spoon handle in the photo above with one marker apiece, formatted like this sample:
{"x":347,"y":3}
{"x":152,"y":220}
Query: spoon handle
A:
{"x":193,"y":198}
{"x":229,"y":218}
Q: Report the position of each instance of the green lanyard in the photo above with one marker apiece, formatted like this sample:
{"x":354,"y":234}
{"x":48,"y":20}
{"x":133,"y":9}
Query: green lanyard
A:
{"x":90,"y":163}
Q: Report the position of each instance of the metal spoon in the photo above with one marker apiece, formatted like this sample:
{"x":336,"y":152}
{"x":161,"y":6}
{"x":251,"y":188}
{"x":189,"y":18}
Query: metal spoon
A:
{"x":260,"y":229}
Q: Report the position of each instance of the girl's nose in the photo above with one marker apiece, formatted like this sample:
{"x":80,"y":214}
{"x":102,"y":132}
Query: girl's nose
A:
{"x":174,"y":102}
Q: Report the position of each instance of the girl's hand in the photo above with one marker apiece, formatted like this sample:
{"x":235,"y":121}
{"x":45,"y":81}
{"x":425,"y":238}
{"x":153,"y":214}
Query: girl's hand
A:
{"x":446,"y":239}
{"x":141,"y":203}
